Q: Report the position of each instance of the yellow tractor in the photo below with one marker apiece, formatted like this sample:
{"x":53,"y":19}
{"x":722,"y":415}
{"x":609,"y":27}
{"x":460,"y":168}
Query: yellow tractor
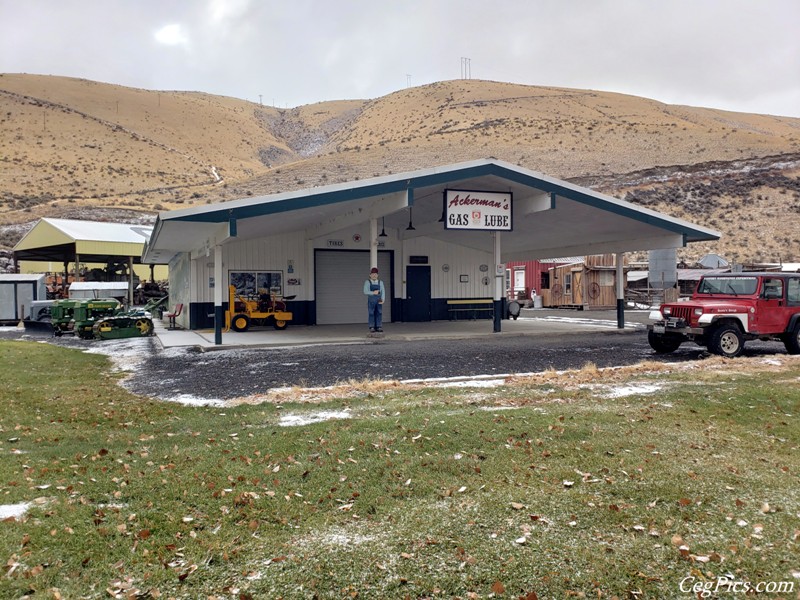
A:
{"x":256,"y":309}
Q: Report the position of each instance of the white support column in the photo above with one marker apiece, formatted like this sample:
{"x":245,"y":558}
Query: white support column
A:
{"x":309,"y":270}
{"x":499,"y":273}
{"x":130,"y":281}
{"x":620,"y":290}
{"x":220,"y":292}
{"x":373,"y":242}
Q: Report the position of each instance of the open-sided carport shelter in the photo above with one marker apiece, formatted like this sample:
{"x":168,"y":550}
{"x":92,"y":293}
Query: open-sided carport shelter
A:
{"x":438,"y":236}
{"x":68,"y":241}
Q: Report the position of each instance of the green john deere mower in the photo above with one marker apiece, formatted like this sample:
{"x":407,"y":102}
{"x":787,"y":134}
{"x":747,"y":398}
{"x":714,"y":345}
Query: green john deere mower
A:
{"x":100,"y":318}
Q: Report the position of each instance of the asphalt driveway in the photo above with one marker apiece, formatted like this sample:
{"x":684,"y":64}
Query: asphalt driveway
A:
{"x":231,"y":373}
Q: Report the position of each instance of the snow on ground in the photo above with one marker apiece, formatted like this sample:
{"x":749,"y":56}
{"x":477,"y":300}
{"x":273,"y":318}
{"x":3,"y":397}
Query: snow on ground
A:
{"x":625,"y":389}
{"x":126,"y":354}
{"x":10,"y":329}
{"x":13,"y":511}
{"x":17,"y":511}
{"x":603,"y":323}
{"x":478,"y":383}
{"x":190,"y":400}
{"x":633,"y":389}
{"x":462,"y":381}
{"x":294,"y":420}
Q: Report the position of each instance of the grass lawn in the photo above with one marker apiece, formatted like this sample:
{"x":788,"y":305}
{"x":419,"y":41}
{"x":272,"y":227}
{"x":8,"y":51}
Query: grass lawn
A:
{"x":630,"y":483}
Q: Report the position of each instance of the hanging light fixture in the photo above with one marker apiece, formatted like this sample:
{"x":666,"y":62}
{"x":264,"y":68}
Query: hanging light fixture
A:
{"x":410,"y":219}
{"x":383,"y":228}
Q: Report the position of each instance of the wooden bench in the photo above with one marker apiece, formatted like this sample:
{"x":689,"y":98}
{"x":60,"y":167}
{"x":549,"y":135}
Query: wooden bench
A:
{"x":473,"y":305}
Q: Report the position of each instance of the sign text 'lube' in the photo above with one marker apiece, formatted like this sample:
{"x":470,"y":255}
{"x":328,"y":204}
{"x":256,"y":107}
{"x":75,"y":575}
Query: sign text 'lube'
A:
{"x":483,"y":211}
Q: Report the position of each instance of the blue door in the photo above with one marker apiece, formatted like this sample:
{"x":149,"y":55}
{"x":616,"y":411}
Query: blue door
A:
{"x":417,"y":304}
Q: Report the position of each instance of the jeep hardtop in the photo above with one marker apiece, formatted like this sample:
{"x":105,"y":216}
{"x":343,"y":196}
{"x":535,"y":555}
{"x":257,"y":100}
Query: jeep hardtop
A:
{"x":728,"y":309}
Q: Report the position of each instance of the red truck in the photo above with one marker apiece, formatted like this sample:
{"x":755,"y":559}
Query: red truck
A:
{"x":727,"y":310}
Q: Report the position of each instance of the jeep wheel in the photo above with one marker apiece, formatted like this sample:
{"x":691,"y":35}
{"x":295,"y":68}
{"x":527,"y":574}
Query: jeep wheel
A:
{"x":726,"y":340}
{"x":792,"y":340}
{"x":663,"y":343}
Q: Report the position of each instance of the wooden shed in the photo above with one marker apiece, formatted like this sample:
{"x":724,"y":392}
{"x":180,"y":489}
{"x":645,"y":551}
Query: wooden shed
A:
{"x":586,"y":285}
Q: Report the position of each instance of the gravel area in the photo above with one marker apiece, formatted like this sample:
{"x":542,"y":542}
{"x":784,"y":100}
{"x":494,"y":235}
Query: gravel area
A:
{"x":188,"y":375}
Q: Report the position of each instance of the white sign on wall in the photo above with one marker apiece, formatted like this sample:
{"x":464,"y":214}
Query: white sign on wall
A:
{"x":480,"y":211}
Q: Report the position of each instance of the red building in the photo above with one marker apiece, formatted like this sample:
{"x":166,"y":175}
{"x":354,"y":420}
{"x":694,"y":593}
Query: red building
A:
{"x":524,"y":278}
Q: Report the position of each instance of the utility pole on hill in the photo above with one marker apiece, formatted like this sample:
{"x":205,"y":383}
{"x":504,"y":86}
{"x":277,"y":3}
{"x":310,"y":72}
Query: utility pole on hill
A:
{"x":466,"y":68}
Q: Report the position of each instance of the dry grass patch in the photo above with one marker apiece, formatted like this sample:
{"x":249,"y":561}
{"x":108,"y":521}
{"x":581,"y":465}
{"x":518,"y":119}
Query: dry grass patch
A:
{"x":303,"y":395}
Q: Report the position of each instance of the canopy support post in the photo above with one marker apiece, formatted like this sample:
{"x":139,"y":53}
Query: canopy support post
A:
{"x":620,"y":290}
{"x":498,"y":284}
{"x":219,"y":287}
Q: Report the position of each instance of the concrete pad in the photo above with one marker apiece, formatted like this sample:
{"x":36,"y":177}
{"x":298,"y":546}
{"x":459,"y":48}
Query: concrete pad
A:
{"x":530,"y":322}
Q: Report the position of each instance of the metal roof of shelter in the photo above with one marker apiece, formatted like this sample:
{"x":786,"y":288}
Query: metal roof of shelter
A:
{"x":59,"y":240}
{"x":19,"y":277}
{"x":551,"y":217}
{"x":683,"y":274}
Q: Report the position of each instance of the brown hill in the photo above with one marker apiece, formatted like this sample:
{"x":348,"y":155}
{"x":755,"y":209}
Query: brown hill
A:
{"x":76,"y":148}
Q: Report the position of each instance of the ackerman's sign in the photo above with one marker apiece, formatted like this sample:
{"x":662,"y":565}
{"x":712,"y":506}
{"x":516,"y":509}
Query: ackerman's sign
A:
{"x":480,"y":211}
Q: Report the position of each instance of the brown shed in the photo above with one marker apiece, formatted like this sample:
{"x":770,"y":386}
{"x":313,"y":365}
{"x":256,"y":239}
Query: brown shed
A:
{"x":587,"y":284}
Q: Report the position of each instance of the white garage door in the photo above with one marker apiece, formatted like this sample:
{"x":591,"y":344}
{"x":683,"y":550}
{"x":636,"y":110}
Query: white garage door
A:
{"x":340,"y":279}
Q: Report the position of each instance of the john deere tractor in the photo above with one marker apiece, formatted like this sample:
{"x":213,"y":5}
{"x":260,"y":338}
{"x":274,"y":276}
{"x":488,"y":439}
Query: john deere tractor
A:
{"x":100,"y":318}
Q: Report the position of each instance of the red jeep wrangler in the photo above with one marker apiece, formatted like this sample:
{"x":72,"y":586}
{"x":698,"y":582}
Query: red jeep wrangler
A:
{"x":726,"y":310}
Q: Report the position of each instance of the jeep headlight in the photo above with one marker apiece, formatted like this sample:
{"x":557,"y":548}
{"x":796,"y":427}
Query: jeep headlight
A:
{"x":666,"y":310}
{"x":698,"y":311}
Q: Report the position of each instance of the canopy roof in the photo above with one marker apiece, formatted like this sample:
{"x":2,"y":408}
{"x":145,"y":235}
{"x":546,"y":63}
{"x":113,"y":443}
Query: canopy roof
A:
{"x":551,"y":217}
{"x":59,"y":240}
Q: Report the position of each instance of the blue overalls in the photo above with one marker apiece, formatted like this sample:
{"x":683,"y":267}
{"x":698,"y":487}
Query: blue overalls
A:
{"x":374,"y":306}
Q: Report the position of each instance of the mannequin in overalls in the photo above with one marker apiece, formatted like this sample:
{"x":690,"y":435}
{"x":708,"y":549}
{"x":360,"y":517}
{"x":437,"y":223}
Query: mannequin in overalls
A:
{"x":376,"y":294}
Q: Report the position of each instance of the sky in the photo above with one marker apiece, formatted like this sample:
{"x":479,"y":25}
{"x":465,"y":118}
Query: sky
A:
{"x":739,"y":55}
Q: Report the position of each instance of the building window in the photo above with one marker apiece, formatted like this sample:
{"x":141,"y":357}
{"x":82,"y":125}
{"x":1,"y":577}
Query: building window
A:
{"x":793,"y":291}
{"x":519,"y":280}
{"x":544,"y":281}
{"x":254,"y":283}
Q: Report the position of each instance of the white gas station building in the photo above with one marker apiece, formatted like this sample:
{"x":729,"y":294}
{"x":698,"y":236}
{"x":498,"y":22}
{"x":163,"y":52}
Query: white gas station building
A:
{"x":439,"y":237}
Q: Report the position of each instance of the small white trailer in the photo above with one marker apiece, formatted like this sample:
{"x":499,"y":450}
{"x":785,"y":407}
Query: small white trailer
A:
{"x":17,"y":292}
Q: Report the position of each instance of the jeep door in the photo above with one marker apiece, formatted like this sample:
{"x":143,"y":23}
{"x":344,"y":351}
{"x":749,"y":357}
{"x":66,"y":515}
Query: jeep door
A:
{"x":772,"y":314}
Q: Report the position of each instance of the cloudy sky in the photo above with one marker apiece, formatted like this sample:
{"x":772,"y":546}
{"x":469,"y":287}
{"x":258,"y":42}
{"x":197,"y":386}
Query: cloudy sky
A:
{"x":741,"y":55}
